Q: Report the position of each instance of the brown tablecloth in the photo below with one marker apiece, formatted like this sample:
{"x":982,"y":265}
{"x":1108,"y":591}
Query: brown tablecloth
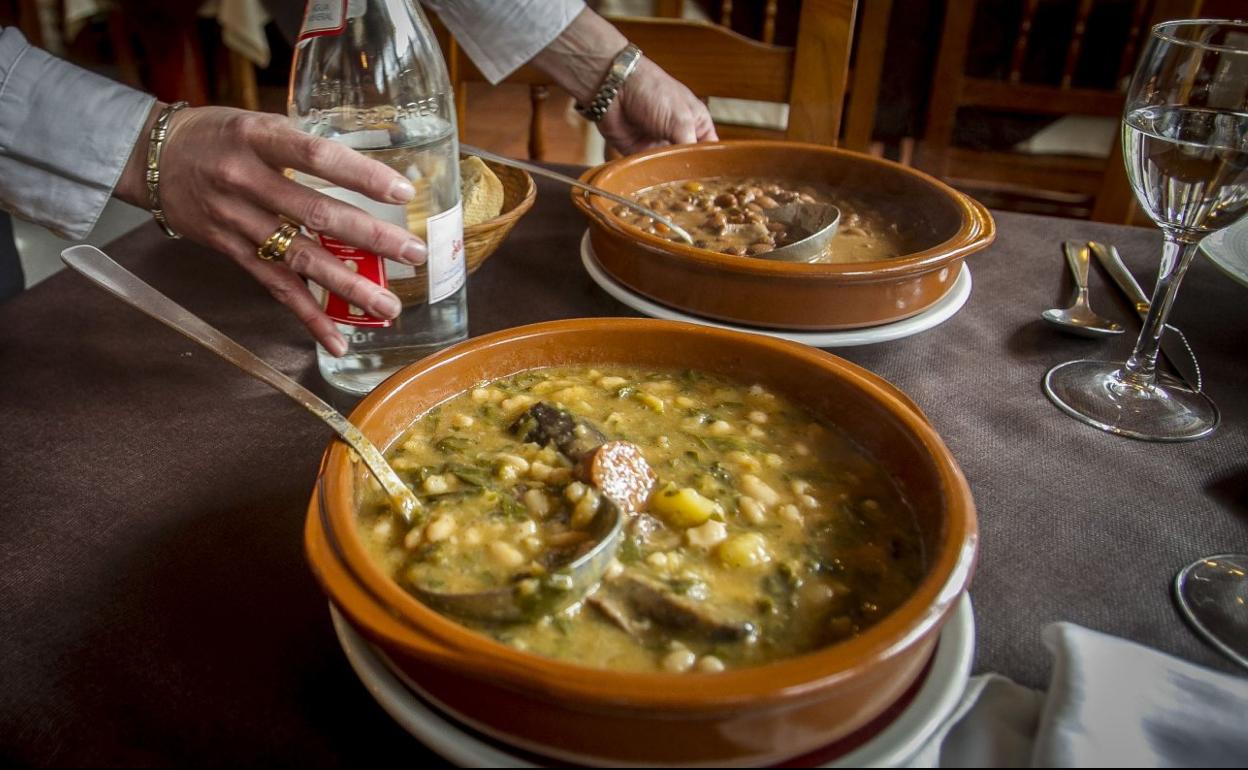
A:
{"x":156,"y":607}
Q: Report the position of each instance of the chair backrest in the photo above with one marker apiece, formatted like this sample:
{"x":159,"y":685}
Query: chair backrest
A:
{"x":714,"y":61}
{"x":1043,"y":71}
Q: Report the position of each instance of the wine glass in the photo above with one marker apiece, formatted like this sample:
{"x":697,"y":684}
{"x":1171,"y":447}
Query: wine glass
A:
{"x":1212,"y":593}
{"x":1185,"y":143}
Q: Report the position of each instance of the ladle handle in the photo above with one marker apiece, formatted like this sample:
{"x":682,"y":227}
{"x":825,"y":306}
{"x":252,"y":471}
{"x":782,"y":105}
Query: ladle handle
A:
{"x":534,"y":169}
{"x":101,"y":269}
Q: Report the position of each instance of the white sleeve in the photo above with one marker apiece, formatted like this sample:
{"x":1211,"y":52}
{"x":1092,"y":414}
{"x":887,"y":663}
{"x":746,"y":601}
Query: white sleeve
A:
{"x":501,"y":35}
{"x":65,"y":135}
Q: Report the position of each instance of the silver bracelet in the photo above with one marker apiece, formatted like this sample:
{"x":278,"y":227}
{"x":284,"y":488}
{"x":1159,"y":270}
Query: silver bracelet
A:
{"x":155,"y":145}
{"x":621,"y":67}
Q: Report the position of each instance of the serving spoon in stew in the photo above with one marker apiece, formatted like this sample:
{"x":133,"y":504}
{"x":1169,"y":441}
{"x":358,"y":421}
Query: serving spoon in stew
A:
{"x":468,"y":149}
{"x":814,"y":223}
{"x":562,"y":586}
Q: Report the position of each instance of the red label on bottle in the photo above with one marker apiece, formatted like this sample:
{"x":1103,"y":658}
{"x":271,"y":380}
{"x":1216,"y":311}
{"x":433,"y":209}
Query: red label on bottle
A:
{"x":367,"y":264}
{"x":323,"y":17}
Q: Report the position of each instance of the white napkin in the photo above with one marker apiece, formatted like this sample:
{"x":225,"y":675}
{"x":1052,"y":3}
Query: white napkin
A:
{"x":1110,"y":703}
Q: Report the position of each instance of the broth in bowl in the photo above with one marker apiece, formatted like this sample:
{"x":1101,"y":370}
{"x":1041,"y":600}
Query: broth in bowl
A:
{"x":766,"y":534}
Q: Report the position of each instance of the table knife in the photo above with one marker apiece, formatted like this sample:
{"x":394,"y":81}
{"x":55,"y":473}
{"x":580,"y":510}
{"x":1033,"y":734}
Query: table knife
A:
{"x":1174,"y":344}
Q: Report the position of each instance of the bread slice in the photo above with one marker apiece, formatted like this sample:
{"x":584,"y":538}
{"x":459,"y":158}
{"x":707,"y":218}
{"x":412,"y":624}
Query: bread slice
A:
{"x":481,"y":190}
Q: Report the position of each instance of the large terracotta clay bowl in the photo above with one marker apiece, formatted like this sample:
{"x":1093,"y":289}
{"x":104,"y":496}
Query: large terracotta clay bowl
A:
{"x":940,"y":225}
{"x":763,"y":714}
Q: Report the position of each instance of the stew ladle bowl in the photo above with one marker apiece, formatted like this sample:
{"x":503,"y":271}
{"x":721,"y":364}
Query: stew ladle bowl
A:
{"x":563,"y":584}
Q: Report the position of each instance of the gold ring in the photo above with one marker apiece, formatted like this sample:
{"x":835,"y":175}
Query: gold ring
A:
{"x":274,"y":249}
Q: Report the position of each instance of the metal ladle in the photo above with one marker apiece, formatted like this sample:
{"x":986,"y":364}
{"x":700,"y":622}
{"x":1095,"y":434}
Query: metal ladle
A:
{"x":555,"y":175}
{"x":816,"y":222}
{"x":561,"y":587}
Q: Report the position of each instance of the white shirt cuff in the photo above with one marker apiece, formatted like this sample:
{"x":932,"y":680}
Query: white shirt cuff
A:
{"x":65,"y":136}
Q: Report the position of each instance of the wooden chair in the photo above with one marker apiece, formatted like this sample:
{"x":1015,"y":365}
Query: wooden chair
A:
{"x":715,"y":61}
{"x":1063,"y":184}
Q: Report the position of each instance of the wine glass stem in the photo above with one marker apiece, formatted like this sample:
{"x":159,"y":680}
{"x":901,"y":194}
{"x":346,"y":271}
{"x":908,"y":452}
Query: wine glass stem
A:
{"x":1177,"y":253}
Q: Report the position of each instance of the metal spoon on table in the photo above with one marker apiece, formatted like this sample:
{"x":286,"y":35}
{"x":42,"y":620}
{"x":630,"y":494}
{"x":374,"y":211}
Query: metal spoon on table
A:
{"x":565,"y":584}
{"x":816,"y":223}
{"x":1079,"y":317}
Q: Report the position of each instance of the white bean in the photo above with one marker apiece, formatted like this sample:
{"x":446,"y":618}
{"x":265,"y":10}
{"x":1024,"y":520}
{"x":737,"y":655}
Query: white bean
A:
{"x":678,"y":661}
{"x":752,"y":510}
{"x":537,"y":502}
{"x":440,"y":528}
{"x":720,"y":428}
{"x":757,"y":417}
{"x":462,"y":420}
{"x":585,"y":509}
{"x":436,"y":485}
{"x":516,"y":404}
{"x":747,"y":462}
{"x":757,"y":488}
{"x":574,"y":491}
{"x":516,"y":461}
{"x":709,"y":664}
{"x":707,"y":535}
{"x":506,"y":554}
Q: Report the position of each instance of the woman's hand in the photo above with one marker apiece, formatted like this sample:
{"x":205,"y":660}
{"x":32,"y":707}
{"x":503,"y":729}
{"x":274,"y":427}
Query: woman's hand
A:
{"x":221,"y":184}
{"x":653,"y":109}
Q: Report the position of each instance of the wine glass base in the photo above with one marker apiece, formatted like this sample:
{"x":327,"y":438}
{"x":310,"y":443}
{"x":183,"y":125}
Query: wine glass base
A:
{"x":1095,"y":392}
{"x":1213,"y":595}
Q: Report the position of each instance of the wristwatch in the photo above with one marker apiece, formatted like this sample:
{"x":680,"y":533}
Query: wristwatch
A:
{"x":621,"y":67}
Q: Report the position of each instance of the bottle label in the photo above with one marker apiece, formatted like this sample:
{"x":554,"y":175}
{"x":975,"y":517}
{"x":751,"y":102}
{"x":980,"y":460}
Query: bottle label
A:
{"x":367,"y":264}
{"x":445,"y":238}
{"x":323,"y":17}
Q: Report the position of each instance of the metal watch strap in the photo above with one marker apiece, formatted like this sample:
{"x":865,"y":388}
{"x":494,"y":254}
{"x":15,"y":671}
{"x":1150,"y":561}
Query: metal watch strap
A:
{"x":156,"y":145}
{"x":621,"y":67}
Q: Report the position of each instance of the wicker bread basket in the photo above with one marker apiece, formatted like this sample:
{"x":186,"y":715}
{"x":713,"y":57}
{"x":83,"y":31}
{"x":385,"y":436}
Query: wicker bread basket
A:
{"x":481,"y":240}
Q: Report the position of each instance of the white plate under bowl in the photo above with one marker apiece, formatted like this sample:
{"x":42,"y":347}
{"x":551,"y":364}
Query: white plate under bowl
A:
{"x":1228,"y":249}
{"x":442,"y":732}
{"x":942,"y":310}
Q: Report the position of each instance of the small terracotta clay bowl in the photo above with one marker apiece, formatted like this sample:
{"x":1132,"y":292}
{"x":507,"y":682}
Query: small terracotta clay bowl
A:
{"x":573,"y":713}
{"x":941,"y":226}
